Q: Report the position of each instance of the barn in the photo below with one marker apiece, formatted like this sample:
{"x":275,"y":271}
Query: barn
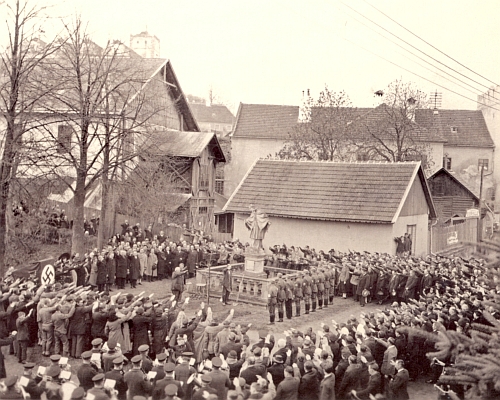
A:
{"x":344,"y":206}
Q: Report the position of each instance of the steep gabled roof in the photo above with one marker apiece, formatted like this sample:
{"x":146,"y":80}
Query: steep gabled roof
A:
{"x":444,"y":171}
{"x":216,"y":113}
{"x":183,"y":144}
{"x":265,"y":121}
{"x":361,"y":192}
{"x":470,"y":126}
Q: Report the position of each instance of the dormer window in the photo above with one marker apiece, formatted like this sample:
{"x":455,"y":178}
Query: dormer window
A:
{"x":454,"y":129}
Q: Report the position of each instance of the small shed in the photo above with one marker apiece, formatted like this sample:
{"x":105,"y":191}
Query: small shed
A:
{"x":451,"y":197}
{"x":345,"y":206}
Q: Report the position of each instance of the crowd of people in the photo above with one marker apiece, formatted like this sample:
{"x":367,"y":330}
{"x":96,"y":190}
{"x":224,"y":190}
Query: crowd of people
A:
{"x":135,"y":347}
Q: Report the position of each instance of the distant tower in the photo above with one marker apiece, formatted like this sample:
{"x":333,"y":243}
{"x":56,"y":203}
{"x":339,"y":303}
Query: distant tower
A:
{"x":145,"y":44}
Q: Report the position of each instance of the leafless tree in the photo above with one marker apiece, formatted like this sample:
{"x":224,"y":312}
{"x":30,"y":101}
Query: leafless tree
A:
{"x":20,"y":94}
{"x":389,"y":132}
{"x":322,"y":132}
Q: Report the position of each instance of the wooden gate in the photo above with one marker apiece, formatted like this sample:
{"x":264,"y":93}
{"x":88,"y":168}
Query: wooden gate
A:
{"x":445,"y":237}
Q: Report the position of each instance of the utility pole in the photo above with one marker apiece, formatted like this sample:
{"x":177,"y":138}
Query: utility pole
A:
{"x":480,"y":220}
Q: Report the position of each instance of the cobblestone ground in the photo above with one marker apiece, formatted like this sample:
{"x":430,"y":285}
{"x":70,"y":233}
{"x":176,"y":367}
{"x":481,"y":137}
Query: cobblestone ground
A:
{"x":340,"y":311}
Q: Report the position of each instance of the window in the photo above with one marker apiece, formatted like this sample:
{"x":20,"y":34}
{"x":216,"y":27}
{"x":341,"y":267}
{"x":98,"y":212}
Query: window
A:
{"x":362,"y":157}
{"x":219,"y":186}
{"x":203,"y":210}
{"x":482,"y":162}
{"x":447,"y":162}
{"x":454,"y":129}
{"x":64,"y":133}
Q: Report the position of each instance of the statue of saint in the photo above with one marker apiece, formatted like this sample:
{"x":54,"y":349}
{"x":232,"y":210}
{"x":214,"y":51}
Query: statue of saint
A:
{"x":258,"y":224}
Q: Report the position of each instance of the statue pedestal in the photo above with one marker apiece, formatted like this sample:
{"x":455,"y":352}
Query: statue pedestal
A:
{"x":254,"y":265}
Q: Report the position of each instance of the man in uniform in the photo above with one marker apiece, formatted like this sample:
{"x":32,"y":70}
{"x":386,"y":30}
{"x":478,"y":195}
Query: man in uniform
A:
{"x":326,"y":294}
{"x":12,"y":392}
{"x":135,"y":380}
{"x":321,"y":287}
{"x":288,"y":298}
{"x":314,"y":289}
{"x":98,"y":390}
{"x":86,"y":372}
{"x":272,"y":300}
{"x":147,"y":363}
{"x":169,"y":379}
{"x":297,"y":292}
{"x":117,"y":375}
{"x":307,"y":290}
{"x":31,"y":387}
{"x":280,"y":299}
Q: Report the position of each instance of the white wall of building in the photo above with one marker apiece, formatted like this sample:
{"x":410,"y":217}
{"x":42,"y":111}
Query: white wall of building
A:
{"x":244,"y":153}
{"x":322,"y":235}
{"x":421,"y":239}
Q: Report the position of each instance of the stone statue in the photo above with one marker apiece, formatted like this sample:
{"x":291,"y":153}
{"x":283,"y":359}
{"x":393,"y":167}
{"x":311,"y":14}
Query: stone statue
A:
{"x":258,"y":224}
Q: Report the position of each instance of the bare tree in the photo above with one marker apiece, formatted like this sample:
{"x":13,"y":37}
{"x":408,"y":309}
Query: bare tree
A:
{"x":389,"y":132}
{"x":99,"y":110}
{"x":322,"y":132}
{"x":20,"y":94}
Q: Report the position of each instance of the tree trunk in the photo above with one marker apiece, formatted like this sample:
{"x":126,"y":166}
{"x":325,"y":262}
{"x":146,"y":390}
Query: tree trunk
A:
{"x":78,"y":232}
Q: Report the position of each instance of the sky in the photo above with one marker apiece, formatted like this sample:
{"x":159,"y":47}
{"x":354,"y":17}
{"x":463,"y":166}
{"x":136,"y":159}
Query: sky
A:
{"x":270,"y":51}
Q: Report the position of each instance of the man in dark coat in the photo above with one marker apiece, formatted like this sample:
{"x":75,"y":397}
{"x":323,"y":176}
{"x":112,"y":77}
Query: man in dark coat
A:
{"x":364,"y":284}
{"x":86,"y":372}
{"x":99,"y":320}
{"x":178,"y":282}
{"x":31,"y":387}
{"x":309,"y":383}
{"x":117,"y":375}
{"x":137,"y":385}
{"x":398,"y":385}
{"x":159,"y":389}
{"x":374,"y":384}
{"x":351,"y":379}
{"x":121,"y":268}
{"x":288,"y":389}
{"x":77,"y":327}
{"x":140,"y":328}
{"x":277,"y":369}
{"x":327,"y":385}
{"x":134,"y":269}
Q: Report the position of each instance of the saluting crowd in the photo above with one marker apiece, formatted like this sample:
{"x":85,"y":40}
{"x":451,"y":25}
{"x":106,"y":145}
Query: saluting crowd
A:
{"x":139,"y":347}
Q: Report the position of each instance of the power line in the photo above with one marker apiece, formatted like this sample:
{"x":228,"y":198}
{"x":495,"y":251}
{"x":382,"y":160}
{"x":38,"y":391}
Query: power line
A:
{"x":412,"y":46}
{"x":423,"y":59}
{"x":429,"y":44}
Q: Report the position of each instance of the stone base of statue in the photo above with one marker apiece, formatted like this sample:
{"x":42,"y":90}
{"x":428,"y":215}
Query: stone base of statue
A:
{"x":254,"y":263}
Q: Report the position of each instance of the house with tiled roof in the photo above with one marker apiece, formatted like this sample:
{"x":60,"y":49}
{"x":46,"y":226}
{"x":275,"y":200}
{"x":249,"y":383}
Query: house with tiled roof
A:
{"x":345,"y":206}
{"x":260,"y":130}
{"x":214,"y":118}
{"x":467,"y":146}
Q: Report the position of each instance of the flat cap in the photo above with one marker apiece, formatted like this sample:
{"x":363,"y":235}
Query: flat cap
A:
{"x":97,"y":377}
{"x":143,"y":347}
{"x":216,"y":362}
{"x":136,"y":359}
{"x":169,"y":367}
{"x":171,"y":390}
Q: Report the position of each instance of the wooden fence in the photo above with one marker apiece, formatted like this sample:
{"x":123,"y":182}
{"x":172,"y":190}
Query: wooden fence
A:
{"x":446,"y":237}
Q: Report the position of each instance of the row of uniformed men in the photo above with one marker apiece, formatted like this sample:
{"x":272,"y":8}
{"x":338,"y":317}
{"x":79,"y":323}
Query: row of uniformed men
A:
{"x":315,"y":286}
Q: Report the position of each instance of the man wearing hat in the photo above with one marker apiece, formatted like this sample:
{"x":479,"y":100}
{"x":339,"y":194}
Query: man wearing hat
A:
{"x":86,"y":372}
{"x":77,"y":327}
{"x":77,"y":394}
{"x":281,"y":297}
{"x":205,"y":389}
{"x":97,"y":349}
{"x":297,"y":292}
{"x":183,"y":371}
{"x":307,"y":290}
{"x":220,"y":380}
{"x":112,"y":353}
{"x":147,"y":363}
{"x":52,"y":384}
{"x":32,"y":388}
{"x":277,"y":369}
{"x":117,"y":374}
{"x":168,"y":379}
{"x":272,"y":301}
{"x":135,"y":380}
{"x":98,"y":390}
{"x":12,"y":391}
{"x":227,"y":285}
{"x":231,"y":345}
{"x":160,"y":367}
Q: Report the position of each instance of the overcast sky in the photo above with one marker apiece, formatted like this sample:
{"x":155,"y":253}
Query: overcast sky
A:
{"x":269,"y":51}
